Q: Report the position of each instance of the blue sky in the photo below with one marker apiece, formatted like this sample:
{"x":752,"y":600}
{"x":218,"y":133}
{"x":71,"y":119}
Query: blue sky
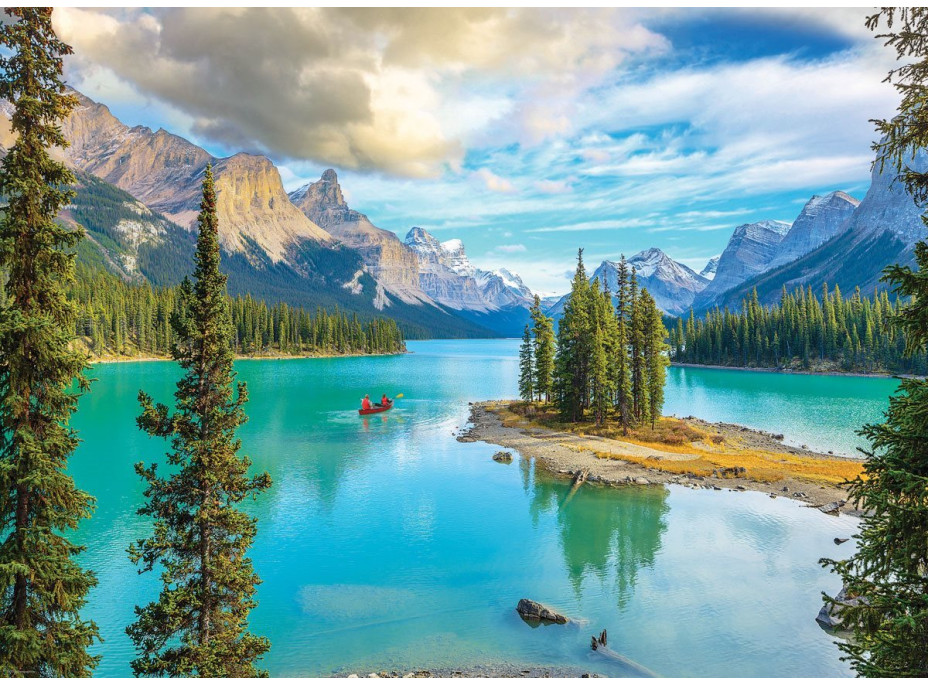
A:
{"x":525,"y":133}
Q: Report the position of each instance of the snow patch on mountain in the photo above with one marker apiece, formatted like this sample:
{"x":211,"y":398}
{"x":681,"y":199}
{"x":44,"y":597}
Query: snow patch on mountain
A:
{"x":448,"y":276}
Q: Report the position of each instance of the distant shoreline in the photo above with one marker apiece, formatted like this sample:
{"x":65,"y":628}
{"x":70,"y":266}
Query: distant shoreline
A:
{"x":804,"y":372}
{"x":119,"y":360}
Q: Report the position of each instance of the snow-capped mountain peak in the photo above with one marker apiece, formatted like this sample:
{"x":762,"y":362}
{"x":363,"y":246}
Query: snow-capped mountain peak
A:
{"x":447,"y":275}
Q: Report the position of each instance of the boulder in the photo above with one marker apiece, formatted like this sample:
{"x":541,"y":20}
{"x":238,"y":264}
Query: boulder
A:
{"x":829,"y":617}
{"x":641,"y":481}
{"x":530,"y":610}
{"x":503,"y":456}
{"x":833,"y":508}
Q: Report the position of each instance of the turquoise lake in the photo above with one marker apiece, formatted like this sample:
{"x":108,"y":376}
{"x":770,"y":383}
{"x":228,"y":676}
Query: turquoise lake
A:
{"x":386,"y":544}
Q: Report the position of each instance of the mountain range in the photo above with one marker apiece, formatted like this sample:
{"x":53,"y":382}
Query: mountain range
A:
{"x":138,"y":197}
{"x":835,"y":240}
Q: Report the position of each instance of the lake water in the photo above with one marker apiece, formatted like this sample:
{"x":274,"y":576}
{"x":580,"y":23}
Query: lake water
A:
{"x":386,"y":544}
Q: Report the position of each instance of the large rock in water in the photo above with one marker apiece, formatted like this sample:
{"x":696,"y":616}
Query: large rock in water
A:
{"x":829,"y":617}
{"x":533,"y":611}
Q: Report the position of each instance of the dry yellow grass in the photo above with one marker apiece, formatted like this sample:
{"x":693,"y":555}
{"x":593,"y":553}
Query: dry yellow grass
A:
{"x":676,"y":436}
{"x":759,"y":465}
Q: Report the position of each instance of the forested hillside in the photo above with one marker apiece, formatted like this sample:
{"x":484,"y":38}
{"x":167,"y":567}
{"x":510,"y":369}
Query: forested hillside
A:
{"x":853,"y":334}
{"x":128,"y":239}
{"x":116,"y":319}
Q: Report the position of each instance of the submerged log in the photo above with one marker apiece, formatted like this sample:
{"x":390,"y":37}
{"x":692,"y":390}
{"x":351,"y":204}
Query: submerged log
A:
{"x":580,"y":477}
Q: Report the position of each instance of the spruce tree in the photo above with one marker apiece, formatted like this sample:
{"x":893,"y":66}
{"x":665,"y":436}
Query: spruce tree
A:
{"x":622,"y":367}
{"x":600,"y":376}
{"x":890,"y":567}
{"x":572,"y":360}
{"x":198,"y":626}
{"x":656,"y":360}
{"x":637,"y":366}
{"x":42,"y":588}
{"x":526,"y":367}
{"x":543,"y":330}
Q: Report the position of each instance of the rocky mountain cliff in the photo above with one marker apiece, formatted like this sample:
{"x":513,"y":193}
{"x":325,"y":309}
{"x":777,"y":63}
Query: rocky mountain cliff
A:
{"x":822,"y":218}
{"x":138,"y":198}
{"x":750,"y":250}
{"x":389,"y":261}
{"x":673,"y":285}
{"x":164,"y":171}
{"x":712,"y":266}
{"x":448,"y":277}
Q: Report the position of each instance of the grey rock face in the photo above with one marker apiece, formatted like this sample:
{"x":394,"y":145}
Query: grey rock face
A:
{"x":389,"y":261}
{"x":822,"y":218}
{"x":534,"y":611}
{"x":448,"y":277}
{"x":708,"y":272}
{"x":888,"y":206}
{"x":749,"y":252}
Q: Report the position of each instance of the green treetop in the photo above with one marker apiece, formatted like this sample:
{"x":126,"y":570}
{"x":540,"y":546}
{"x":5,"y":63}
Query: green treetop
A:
{"x":543,"y":330}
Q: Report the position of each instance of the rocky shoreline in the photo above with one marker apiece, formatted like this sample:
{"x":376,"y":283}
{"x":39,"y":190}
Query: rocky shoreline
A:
{"x":479,"y":671}
{"x":574,"y":456}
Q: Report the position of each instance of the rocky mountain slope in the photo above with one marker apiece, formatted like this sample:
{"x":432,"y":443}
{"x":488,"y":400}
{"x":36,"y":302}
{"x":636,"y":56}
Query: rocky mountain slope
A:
{"x":881,"y":230}
{"x":751,"y":248}
{"x":164,"y":171}
{"x":822,"y":218}
{"x":712,"y":266}
{"x":139,"y":197}
{"x":389,"y":261}
{"x":448,"y":277}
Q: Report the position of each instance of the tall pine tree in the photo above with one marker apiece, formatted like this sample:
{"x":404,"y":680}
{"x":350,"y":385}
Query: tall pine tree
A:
{"x":526,"y":367}
{"x":543,"y":330}
{"x":572,"y":360}
{"x":890,"y":567}
{"x":42,"y":588}
{"x":198,"y":626}
{"x":656,"y":360}
{"x":623,"y":379}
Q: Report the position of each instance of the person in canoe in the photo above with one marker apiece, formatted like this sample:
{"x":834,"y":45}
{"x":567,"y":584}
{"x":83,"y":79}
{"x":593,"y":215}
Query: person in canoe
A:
{"x":384,"y":400}
{"x":366,"y":402}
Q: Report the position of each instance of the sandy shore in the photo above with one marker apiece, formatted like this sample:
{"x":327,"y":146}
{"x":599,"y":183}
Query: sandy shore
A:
{"x":569,"y":454}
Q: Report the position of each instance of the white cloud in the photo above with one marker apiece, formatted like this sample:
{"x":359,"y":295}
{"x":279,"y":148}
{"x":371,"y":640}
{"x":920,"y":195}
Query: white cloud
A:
{"x":401,"y":91}
{"x":510,"y":249}
{"x":492,"y":182}
{"x":550,"y":187}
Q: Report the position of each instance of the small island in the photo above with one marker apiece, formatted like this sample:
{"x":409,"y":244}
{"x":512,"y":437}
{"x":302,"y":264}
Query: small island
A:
{"x":689,"y":452}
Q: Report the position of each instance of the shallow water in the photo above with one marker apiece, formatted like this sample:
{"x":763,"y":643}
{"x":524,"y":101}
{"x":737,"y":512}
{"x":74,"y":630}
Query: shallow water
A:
{"x":386,"y":544}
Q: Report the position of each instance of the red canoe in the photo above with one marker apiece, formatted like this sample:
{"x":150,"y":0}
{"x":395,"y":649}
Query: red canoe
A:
{"x":376,"y":408}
